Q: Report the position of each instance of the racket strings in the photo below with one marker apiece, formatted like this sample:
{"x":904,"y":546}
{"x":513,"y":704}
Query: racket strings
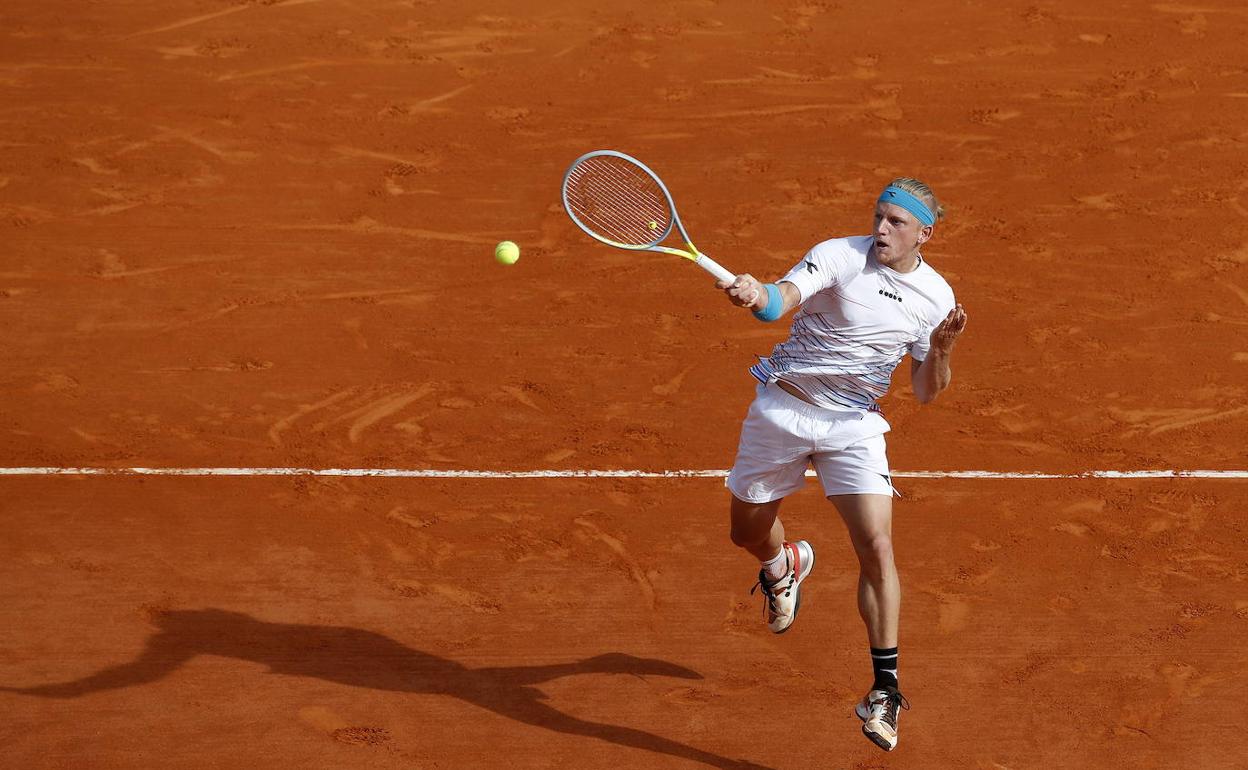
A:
{"x":618,"y":201}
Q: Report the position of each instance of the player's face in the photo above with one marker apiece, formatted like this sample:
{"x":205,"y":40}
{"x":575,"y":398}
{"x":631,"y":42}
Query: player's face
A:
{"x":898,"y":235}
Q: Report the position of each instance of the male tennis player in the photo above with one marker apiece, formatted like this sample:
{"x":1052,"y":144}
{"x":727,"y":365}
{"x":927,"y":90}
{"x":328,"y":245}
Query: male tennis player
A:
{"x":865,"y":302}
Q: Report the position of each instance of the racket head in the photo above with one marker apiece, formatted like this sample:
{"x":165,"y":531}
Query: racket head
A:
{"x":618,"y":200}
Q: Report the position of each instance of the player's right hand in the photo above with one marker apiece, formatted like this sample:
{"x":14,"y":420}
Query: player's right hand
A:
{"x":742,"y":291}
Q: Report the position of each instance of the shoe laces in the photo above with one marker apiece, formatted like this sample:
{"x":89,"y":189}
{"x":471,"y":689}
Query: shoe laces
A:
{"x":773,"y":590}
{"x":892,"y":703}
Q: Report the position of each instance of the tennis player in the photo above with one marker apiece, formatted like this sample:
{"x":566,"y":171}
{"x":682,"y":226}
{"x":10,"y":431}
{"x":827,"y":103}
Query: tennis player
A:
{"x":864,"y":303}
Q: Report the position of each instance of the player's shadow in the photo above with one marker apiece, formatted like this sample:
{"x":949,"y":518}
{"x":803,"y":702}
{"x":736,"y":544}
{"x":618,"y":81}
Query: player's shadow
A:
{"x":361,"y":658}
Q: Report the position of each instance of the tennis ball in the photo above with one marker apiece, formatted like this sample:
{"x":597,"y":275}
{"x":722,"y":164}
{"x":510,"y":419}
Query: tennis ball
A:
{"x":507,"y":253}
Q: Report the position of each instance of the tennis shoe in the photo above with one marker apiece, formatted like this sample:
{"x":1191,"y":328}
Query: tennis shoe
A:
{"x":784,"y":596}
{"x":879,"y":711}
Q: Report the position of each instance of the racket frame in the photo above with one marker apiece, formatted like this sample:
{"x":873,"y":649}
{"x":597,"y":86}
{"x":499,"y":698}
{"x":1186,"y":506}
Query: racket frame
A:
{"x":692,"y":254}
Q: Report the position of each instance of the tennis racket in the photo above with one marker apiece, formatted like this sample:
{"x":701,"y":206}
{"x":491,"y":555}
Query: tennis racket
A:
{"x":616,"y":199}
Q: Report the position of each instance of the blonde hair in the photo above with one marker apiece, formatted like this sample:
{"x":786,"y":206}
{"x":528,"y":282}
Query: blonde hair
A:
{"x":922,"y":192}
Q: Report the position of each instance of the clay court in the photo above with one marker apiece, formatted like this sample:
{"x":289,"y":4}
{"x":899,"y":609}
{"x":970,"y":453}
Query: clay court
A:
{"x":259,"y":236}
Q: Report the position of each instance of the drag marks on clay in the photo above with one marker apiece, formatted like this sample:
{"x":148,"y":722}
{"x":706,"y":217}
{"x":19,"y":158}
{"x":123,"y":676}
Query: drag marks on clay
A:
{"x":166,"y":134}
{"x":1022,"y":49}
{"x":1237,"y":290}
{"x":1102,"y":202}
{"x":432,"y":104}
{"x":367,"y":226}
{"x":22,"y":216}
{"x":190,"y":21}
{"x":211,"y":315}
{"x":277,"y":428}
{"x":672,"y":386}
{"x":235,"y":366}
{"x":1155,"y":422}
{"x":784,"y":109}
{"x":521,"y":396}
{"x":373,"y":413}
{"x":122,"y":200}
{"x":616,"y":546}
{"x":362,"y":417}
{"x":409,"y":296}
{"x":430,"y":551}
{"x":230,"y":156}
{"x":282,"y":69}
{"x":696,"y":697}
{"x":1177,"y":8}
{"x":95,"y":167}
{"x":446,"y":593}
{"x":110,"y":266}
{"x":205,"y":17}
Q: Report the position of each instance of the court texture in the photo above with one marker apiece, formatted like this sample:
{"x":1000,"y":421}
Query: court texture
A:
{"x":259,"y":236}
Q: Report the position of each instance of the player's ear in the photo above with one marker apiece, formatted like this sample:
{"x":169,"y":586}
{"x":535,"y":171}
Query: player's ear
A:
{"x":925,"y":234}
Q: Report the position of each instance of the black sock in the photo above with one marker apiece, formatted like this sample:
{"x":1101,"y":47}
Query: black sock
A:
{"x":884,"y":662}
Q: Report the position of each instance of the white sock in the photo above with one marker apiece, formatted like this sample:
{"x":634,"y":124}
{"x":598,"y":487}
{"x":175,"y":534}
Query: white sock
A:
{"x":778,"y":566}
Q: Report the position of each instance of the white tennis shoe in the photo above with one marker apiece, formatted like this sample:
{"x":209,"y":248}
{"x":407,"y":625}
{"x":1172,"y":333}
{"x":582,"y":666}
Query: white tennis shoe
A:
{"x":784,"y":596}
{"x":879,"y":711}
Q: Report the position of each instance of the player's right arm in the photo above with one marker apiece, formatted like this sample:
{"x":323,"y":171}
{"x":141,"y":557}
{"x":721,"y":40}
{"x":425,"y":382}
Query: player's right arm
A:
{"x":748,"y":292}
{"x":825,"y":265}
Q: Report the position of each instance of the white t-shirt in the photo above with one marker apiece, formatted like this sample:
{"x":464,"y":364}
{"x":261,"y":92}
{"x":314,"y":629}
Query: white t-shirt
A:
{"x":857,"y":320}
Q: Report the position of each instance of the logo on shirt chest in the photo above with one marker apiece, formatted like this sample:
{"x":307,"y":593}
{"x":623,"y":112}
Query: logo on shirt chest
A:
{"x":890,"y":295}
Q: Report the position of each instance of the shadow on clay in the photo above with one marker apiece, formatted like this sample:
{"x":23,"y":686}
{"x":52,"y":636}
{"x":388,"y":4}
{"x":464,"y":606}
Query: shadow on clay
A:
{"x":360,"y":658}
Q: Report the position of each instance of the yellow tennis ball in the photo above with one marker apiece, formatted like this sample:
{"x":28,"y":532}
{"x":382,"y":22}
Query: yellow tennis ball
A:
{"x":507,"y":253}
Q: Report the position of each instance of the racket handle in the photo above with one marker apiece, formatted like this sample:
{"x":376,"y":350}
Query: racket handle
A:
{"x":714,"y":268}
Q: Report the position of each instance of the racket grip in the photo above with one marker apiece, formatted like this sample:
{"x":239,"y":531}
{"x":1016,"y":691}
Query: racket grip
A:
{"x":714,"y":268}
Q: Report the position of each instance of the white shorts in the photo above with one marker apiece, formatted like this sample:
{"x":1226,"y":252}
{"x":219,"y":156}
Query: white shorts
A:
{"x":782,"y":435}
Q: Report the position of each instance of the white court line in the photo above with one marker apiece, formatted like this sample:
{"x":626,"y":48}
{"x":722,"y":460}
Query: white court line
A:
{"x":601,"y":474}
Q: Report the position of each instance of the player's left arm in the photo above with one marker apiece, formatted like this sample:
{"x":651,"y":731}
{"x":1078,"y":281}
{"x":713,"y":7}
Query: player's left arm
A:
{"x":933,"y":374}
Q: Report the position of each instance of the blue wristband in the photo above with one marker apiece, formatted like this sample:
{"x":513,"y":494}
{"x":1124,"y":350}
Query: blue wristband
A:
{"x":775,"y":304}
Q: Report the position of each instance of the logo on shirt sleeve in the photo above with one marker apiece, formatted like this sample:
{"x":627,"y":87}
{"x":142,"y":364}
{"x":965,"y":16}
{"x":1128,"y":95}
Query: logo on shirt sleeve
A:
{"x":811,"y":266}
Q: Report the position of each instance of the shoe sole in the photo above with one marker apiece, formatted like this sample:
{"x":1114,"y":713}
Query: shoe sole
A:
{"x":878,"y":740}
{"x":797,"y":602}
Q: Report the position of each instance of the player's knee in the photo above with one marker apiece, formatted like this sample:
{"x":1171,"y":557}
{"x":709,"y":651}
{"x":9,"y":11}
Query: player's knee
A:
{"x":751,"y":524}
{"x":745,"y":534}
{"x":875,"y":555}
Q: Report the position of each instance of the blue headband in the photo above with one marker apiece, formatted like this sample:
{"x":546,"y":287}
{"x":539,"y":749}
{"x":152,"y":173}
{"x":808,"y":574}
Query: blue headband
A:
{"x":905,"y":199}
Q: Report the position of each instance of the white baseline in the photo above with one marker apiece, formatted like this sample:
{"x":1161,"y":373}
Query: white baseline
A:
{"x":602,"y":474}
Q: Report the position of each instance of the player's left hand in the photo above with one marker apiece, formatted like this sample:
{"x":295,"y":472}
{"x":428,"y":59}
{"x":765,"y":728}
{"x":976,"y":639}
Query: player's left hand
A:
{"x":946,"y":333}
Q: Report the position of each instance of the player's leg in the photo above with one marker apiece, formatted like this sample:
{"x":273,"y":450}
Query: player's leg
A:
{"x":770,"y":464}
{"x":857,"y":482}
{"x":869,"y":519}
{"x":782,"y":565}
{"x":756,"y":527}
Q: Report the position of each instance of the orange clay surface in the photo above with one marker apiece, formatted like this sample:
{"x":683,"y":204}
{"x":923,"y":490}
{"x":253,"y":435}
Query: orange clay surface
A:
{"x":261,"y":235}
